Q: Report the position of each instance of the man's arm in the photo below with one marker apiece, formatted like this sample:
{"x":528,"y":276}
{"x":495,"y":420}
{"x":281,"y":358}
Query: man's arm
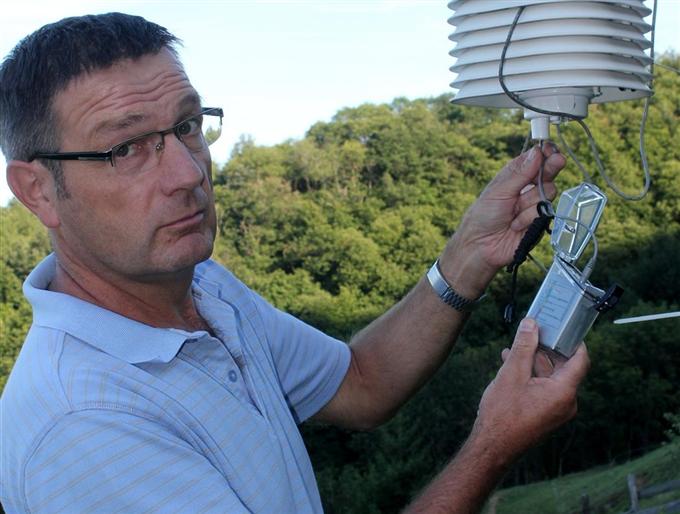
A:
{"x":397,"y":353}
{"x":516,"y":411}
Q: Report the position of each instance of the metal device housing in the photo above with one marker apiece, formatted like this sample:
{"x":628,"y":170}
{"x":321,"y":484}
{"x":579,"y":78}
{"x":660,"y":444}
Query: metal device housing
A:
{"x":564,"y":308}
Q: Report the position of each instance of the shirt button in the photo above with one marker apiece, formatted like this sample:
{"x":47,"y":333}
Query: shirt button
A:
{"x":232,"y":376}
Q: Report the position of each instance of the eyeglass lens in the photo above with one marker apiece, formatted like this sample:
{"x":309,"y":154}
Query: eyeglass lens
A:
{"x":142,"y":153}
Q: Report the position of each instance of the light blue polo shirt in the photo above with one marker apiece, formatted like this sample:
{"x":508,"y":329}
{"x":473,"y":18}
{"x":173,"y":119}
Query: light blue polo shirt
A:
{"x":105,"y":414}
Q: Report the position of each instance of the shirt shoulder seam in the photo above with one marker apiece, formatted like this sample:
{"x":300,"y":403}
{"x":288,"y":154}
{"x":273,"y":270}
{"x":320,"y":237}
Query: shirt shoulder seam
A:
{"x":103,"y":406}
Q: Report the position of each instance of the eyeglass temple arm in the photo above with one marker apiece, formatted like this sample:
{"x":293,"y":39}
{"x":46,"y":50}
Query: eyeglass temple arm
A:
{"x":74,"y":156}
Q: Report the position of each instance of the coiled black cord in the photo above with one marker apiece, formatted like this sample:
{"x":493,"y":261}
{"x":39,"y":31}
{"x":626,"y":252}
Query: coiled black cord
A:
{"x":539,"y":226}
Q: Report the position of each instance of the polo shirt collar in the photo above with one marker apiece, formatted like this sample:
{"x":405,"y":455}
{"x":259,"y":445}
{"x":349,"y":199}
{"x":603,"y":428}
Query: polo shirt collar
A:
{"x":116,"y":335}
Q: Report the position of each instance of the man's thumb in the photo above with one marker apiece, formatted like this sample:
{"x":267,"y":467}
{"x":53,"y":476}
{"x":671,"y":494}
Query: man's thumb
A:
{"x":523,"y":349}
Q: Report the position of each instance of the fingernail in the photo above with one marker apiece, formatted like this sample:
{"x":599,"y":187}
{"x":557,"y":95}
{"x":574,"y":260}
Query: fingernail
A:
{"x":527,"y":325}
{"x":529,"y":160}
{"x":554,"y":148}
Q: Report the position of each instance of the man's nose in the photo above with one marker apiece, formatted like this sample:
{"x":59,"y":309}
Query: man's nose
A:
{"x":181,"y":168}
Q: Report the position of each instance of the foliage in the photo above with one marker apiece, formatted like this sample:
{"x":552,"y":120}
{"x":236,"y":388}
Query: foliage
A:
{"x":23,"y":243}
{"x":336,"y":227}
{"x":673,"y":432}
{"x":606,"y":487}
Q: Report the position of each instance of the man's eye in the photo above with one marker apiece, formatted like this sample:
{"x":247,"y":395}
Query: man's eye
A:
{"x":122,"y":151}
{"x":130,"y":149}
{"x":189,"y":127}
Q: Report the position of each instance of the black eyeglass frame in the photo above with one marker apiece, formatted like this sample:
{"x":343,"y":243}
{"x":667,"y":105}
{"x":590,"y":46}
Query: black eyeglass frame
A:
{"x":108,"y":155}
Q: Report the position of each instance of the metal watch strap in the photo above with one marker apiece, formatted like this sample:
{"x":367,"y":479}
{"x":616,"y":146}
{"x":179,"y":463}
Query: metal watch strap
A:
{"x":447,"y":293}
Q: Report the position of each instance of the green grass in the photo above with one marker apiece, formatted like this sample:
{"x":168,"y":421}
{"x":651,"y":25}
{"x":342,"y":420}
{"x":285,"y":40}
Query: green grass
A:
{"x":606,"y":487}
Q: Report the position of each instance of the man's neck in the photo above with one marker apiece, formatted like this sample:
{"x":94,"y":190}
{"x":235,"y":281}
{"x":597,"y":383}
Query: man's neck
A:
{"x":162,"y":303}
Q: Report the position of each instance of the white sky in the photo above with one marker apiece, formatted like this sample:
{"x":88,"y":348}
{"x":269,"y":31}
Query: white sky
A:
{"x":276,"y":67}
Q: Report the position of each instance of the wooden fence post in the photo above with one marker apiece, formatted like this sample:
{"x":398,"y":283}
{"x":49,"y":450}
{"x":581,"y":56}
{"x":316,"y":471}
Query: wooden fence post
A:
{"x":633,"y":492}
{"x":585,"y":504}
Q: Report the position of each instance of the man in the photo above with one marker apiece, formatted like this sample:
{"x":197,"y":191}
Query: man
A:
{"x":152,"y":380}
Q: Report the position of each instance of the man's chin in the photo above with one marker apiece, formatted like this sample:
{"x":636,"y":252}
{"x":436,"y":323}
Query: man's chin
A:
{"x":186,"y":255}
{"x":195,"y":257}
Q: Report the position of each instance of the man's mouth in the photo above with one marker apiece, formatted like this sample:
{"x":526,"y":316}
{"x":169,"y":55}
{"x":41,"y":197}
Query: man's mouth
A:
{"x":187,"y":221}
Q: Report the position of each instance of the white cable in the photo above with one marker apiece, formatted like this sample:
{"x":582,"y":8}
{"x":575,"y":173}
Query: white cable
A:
{"x":541,"y":189}
{"x":572,"y":155}
{"x":669,"y":68}
{"x":643,"y":123}
{"x":527,"y":141}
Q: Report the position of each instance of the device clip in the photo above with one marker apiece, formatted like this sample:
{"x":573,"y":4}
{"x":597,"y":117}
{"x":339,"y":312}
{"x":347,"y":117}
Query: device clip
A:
{"x":609,"y":299}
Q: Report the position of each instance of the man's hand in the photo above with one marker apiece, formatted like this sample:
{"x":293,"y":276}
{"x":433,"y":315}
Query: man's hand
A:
{"x":493,"y":226}
{"x":529,"y":398}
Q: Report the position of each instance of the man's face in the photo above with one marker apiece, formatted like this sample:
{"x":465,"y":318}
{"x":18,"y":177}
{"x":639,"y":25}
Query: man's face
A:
{"x":138,"y":225}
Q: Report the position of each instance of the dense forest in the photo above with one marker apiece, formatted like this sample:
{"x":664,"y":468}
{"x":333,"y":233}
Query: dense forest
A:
{"x":336,"y":227}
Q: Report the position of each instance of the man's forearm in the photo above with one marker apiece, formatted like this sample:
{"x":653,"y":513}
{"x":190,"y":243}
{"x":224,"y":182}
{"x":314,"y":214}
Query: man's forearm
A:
{"x":401,"y":350}
{"x":465,"y":483}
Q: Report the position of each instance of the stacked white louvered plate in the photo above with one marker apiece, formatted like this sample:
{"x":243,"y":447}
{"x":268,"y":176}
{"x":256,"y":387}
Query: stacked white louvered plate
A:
{"x":595,"y":47}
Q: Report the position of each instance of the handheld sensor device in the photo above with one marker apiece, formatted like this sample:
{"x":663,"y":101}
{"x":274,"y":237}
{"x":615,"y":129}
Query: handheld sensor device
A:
{"x":567,"y":304}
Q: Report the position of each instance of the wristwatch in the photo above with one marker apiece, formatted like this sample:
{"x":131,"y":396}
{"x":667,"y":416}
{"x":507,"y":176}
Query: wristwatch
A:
{"x":448,"y":295}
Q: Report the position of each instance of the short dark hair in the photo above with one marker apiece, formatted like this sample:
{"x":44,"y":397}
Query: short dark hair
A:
{"x":45,"y":62}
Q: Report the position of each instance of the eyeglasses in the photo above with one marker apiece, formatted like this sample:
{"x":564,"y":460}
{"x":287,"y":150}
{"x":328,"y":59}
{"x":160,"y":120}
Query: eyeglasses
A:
{"x":142,"y":152}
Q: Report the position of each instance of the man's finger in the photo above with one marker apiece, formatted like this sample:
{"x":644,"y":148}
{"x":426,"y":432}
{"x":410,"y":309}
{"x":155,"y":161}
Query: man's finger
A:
{"x":550,"y":148}
{"x":520,"y":360}
{"x":523,"y":170}
{"x":520,"y":171}
{"x":574,"y":370}
{"x":543,"y":365}
{"x":524,"y":219}
{"x":532,"y":196}
{"x":552,"y":166}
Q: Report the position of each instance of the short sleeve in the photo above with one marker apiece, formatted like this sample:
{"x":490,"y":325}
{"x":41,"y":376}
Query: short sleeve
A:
{"x":111,"y":461}
{"x":311,"y":365}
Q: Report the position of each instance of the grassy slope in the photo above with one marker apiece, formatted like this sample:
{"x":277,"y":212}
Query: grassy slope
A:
{"x":606,"y":487}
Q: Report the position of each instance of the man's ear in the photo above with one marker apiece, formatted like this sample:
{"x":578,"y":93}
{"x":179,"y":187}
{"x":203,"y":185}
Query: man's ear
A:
{"x":34,"y":186}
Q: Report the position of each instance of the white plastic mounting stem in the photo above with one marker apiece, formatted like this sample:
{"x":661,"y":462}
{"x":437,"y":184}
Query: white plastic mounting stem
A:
{"x":540,"y":126}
